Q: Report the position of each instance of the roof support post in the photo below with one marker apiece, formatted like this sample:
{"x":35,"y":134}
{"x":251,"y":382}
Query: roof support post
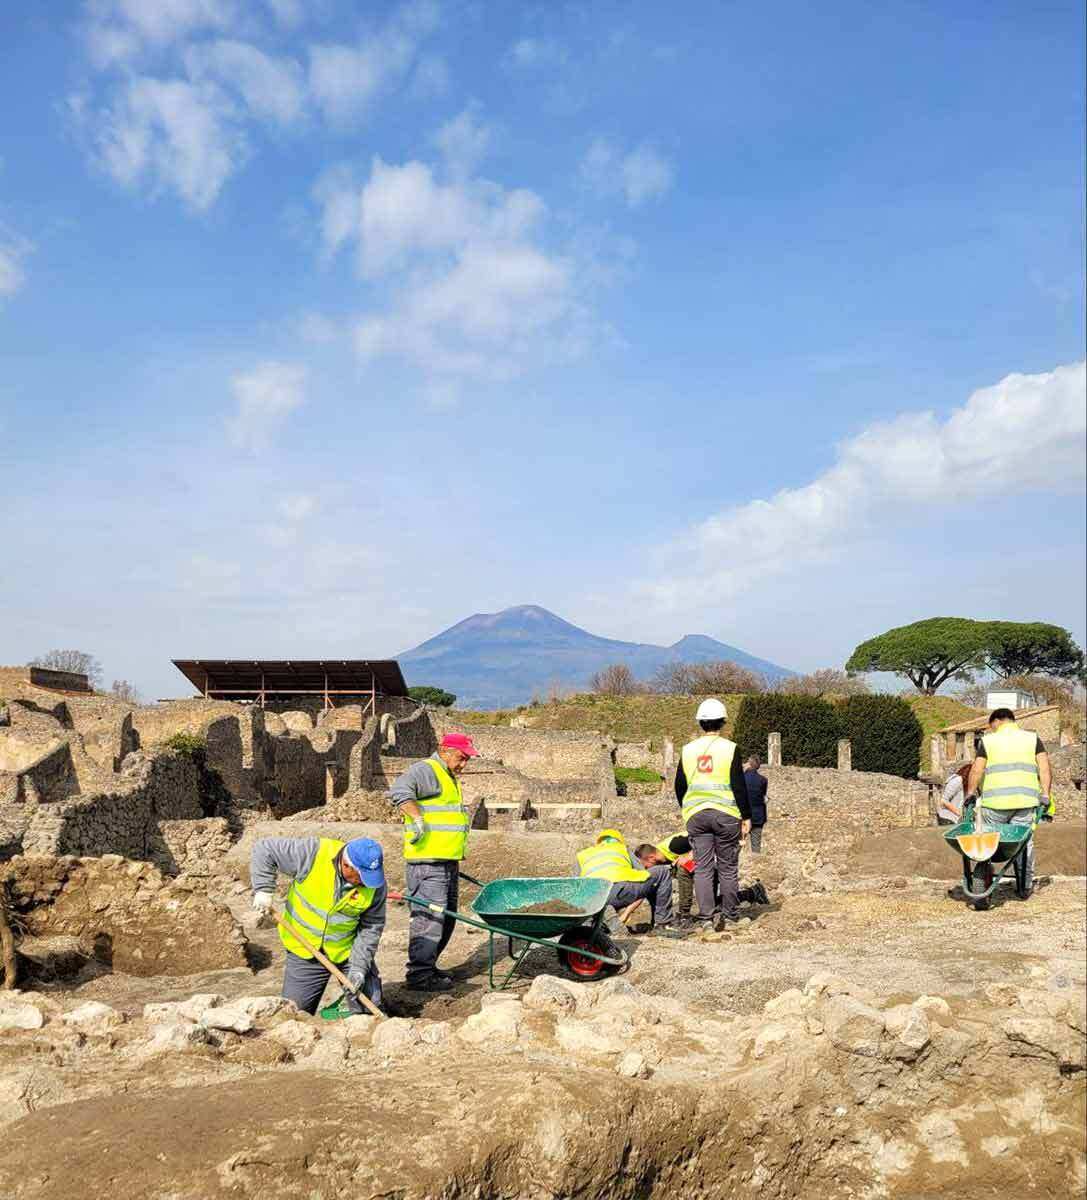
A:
{"x":262,"y":689}
{"x":326,"y":691}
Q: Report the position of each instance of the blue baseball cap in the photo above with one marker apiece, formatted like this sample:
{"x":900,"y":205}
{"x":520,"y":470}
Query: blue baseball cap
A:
{"x":365,"y":855}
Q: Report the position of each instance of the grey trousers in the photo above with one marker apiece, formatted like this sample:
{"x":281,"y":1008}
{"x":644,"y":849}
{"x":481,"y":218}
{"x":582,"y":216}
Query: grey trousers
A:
{"x":754,"y":839}
{"x":715,"y":839}
{"x":1014,"y":816}
{"x":428,"y":933}
{"x":304,"y":981}
{"x":657,"y":889}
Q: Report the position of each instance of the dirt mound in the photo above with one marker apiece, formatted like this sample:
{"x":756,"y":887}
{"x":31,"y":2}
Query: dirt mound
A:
{"x":124,"y":914}
{"x":1061,"y":850}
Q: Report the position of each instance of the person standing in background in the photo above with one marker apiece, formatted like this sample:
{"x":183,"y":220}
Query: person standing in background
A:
{"x":756,"y":797}
{"x":949,"y":810}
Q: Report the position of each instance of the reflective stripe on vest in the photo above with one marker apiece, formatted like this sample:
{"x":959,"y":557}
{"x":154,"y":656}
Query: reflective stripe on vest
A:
{"x":1011,"y":770}
{"x":610,"y":861}
{"x":707,"y":767}
{"x":313,"y":910}
{"x":445,"y":819}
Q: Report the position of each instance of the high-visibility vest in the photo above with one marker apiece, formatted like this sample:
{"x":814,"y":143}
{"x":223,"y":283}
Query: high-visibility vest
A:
{"x":1011,"y":769}
{"x":707,"y":767}
{"x":445,"y":819}
{"x":662,"y":847}
{"x":313,"y":910}
{"x":610,"y":860}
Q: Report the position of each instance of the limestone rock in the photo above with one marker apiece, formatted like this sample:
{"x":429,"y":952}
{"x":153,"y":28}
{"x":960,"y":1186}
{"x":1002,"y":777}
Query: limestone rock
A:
{"x":936,"y":1008}
{"x":1040,"y":1037}
{"x":825,"y":983}
{"x":227,"y":1018}
{"x":771,"y":1036}
{"x":175,"y":1035}
{"x":93,"y":1017}
{"x":260,"y":1008}
{"x":913,"y":1036}
{"x":492,"y":999}
{"x":792,"y":1003}
{"x":548,"y":993}
{"x":395,"y":1034}
{"x":195,"y":1007}
{"x":19,"y":1015}
{"x":581,"y":1038}
{"x":299,"y":1037}
{"x":360,"y":1028}
{"x":633,"y":1066}
{"x":852,"y":1025}
{"x":497,"y":1025}
{"x":435,"y":1033}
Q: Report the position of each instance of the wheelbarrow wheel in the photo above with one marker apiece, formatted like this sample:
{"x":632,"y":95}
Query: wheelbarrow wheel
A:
{"x":581,"y":966}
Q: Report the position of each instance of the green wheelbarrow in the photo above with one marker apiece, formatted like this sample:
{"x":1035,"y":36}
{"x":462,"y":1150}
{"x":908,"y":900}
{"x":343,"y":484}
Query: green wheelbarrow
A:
{"x":516,"y":910}
{"x":979,"y":880}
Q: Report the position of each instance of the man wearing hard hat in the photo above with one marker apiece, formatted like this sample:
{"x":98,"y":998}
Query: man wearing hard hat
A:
{"x":712,"y":793}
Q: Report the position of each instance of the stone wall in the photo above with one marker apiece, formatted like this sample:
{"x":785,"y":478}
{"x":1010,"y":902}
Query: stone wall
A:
{"x":69,"y":681}
{"x":193,"y":847}
{"x":156,"y":723}
{"x":638,"y":754}
{"x":411,"y":735}
{"x":542,"y":753}
{"x":34,"y":773}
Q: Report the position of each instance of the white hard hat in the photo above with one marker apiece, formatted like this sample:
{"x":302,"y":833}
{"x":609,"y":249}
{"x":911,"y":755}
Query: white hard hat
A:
{"x":711,"y":710}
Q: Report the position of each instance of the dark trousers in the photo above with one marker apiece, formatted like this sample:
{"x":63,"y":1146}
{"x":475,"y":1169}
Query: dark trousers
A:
{"x":657,"y":889}
{"x":428,"y":933}
{"x":304,"y":981}
{"x":715,"y":840}
{"x":684,"y":884}
{"x":755,"y":839}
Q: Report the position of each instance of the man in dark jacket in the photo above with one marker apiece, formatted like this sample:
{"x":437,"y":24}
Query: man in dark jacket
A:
{"x":756,"y":797}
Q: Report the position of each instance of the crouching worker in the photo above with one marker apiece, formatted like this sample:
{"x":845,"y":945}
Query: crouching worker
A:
{"x":676,"y":852}
{"x":608,"y":858}
{"x":336,"y":903}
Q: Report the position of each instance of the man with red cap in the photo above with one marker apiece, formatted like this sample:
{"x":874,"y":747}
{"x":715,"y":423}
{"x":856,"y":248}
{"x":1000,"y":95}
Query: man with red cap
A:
{"x":435,"y":840}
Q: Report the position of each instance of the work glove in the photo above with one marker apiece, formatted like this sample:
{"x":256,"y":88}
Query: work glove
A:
{"x":262,"y":901}
{"x":415,"y":830}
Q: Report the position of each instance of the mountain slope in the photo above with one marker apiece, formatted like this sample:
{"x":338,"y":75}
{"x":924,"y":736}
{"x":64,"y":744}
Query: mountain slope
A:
{"x":496,"y":660}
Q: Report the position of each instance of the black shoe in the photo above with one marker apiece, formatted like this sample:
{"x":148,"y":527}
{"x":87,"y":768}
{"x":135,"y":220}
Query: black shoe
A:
{"x":431,"y":983}
{"x":721,"y":923}
{"x":759,"y":894}
{"x":666,"y":931}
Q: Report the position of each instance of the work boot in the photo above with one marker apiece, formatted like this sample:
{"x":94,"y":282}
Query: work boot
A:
{"x":759,"y":894}
{"x":431,"y":983}
{"x":671,"y":930}
{"x":721,"y":922}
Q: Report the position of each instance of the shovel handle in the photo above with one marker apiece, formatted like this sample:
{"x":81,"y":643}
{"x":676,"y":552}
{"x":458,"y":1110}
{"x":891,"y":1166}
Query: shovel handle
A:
{"x":331,"y":967}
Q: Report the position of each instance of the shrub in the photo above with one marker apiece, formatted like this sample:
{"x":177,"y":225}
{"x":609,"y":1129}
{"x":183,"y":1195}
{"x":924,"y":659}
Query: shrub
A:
{"x":436,"y":697}
{"x":190,"y":744}
{"x":616,"y":680}
{"x":809,"y":728}
{"x":215,"y":797}
{"x":885,"y":734}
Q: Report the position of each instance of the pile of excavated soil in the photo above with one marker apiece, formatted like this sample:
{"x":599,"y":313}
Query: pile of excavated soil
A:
{"x":555,"y":908}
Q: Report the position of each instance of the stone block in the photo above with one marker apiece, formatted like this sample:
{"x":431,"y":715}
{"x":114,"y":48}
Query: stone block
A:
{"x":499,"y":1024}
{"x":394,"y":1035}
{"x":549,"y":994}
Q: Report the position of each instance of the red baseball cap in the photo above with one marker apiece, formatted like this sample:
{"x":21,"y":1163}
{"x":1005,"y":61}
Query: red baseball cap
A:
{"x":461,"y":742}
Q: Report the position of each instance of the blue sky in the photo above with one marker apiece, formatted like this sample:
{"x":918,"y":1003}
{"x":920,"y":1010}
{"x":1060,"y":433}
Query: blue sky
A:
{"x":324,"y":325}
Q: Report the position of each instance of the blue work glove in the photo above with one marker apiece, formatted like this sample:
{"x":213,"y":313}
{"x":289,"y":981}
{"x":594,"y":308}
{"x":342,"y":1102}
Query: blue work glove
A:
{"x":415,"y":830}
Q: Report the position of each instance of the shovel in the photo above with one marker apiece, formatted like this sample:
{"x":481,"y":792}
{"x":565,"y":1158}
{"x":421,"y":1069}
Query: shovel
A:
{"x":980,"y":845}
{"x":333,"y":1011}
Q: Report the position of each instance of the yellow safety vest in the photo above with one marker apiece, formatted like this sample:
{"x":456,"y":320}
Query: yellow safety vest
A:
{"x":610,"y":860}
{"x":312,"y":908}
{"x":1011,"y":769}
{"x":707,"y":767}
{"x":663,"y":846}
{"x":445,"y":818}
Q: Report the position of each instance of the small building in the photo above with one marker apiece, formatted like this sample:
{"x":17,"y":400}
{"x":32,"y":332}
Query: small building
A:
{"x":303,"y":683}
{"x":1014,"y":700}
{"x":957,"y":742}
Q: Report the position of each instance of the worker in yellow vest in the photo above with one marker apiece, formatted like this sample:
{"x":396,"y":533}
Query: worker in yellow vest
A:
{"x":608,"y":858}
{"x":1012,"y":777}
{"x":712,"y":794}
{"x":429,"y":799}
{"x":336,"y":902}
{"x":676,"y":853}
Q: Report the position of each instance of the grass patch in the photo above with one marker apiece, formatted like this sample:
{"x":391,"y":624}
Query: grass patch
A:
{"x":934,"y":713}
{"x":637,"y":775}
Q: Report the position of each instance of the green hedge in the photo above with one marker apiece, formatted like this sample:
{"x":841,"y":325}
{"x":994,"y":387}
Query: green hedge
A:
{"x":809,"y":728}
{"x":885,"y":734}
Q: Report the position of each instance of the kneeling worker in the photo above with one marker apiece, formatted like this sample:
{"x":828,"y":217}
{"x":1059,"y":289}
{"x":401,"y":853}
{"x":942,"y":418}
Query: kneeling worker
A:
{"x":336,"y":902}
{"x":608,"y":858}
{"x":676,"y":852}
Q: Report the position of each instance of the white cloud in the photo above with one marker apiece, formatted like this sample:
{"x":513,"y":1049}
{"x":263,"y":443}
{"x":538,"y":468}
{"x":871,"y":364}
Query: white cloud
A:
{"x":298,"y":507}
{"x":345,"y":80}
{"x":13,"y":249}
{"x":169,"y":134}
{"x":118,"y":30}
{"x":273,"y":89}
{"x":532,"y":53}
{"x":265,"y":397}
{"x":638,"y":176}
{"x":475,"y":292}
{"x":464,"y":142}
{"x":1024,"y":433}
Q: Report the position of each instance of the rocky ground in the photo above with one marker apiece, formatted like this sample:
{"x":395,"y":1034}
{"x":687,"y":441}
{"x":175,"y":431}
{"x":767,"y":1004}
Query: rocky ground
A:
{"x":866,"y":1035}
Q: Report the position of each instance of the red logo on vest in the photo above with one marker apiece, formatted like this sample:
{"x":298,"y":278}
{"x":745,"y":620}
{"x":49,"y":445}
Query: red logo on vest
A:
{"x":705,"y":763}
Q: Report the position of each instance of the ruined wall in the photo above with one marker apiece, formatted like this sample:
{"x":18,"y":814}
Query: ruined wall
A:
{"x":156,"y":723}
{"x":34,"y":773}
{"x":637,"y":754}
{"x":411,"y":735}
{"x":124,"y":820}
{"x":192,"y":847}
{"x":542,"y":753}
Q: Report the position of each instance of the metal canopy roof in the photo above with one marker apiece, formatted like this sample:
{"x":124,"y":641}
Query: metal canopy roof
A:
{"x":241,"y":679}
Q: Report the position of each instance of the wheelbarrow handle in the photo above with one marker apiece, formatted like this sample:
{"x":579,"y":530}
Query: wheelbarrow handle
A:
{"x":439,"y":911}
{"x":472,"y":879}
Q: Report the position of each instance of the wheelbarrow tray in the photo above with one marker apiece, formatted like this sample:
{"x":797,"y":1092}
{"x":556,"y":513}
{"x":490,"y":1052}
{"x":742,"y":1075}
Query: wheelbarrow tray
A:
{"x":498,"y":902}
{"x":1012,"y":838}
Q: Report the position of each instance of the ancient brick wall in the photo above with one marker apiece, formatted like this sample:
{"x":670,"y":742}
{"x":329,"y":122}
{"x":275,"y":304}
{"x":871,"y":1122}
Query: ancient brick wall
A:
{"x":46,"y":677}
{"x":542,"y":753}
{"x":32,"y":772}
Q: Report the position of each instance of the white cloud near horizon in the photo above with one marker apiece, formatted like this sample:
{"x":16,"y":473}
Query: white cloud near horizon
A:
{"x":265,"y":397}
{"x":1022,"y":434}
{"x":638,"y":176}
